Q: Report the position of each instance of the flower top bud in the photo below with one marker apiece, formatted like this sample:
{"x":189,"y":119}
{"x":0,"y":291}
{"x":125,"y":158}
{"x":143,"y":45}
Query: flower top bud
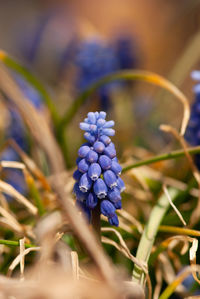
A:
{"x":96,"y":127}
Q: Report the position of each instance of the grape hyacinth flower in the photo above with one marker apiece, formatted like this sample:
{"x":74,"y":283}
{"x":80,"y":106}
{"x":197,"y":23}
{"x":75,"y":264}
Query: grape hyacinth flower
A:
{"x":97,"y":175}
{"x":192,"y":134}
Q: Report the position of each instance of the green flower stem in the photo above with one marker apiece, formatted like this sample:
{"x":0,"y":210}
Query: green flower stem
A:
{"x":122,"y":75}
{"x":150,"y":232}
{"x":167,"y":156}
{"x":17,"y":67}
{"x":15,"y":243}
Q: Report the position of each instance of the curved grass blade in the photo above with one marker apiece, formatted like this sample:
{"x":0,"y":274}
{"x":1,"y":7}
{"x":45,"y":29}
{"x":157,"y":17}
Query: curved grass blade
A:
{"x":167,"y":156}
{"x":130,"y":75}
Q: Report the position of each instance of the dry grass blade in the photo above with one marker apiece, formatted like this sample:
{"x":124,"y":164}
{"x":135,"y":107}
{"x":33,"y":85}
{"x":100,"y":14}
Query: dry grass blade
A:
{"x":19,"y":257}
{"x":132,"y":219}
{"x":173,"y":241}
{"x":193,"y":251}
{"x":11,"y":220}
{"x":125,"y":249}
{"x":170,"y":243}
{"x":195,"y":215}
{"x":173,"y":205}
{"x":12,"y":164}
{"x":22,"y":249}
{"x":158,"y":274}
{"x":127,"y":253}
{"x":168,"y":272}
{"x":31,"y":165}
{"x":35,"y":121}
{"x":4,"y":202}
{"x":8,"y":224}
{"x":75,"y":265}
{"x":8,"y":189}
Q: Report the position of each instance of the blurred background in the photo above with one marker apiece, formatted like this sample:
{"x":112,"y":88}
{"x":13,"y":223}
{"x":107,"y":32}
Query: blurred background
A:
{"x":70,"y":44}
{"x":156,"y":34}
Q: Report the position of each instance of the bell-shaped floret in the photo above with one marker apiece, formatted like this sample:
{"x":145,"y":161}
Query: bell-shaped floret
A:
{"x":85,"y":183}
{"x":100,"y":189}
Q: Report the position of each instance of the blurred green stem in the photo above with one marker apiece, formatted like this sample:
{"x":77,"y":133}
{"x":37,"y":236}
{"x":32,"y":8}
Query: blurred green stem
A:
{"x":167,"y":156}
{"x":150,"y":232}
{"x":15,"y":243}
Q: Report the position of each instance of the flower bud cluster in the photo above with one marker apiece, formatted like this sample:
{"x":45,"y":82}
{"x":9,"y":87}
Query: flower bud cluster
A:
{"x":97,"y":177}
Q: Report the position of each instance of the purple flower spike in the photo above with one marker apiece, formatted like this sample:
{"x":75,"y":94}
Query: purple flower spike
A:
{"x":105,"y":162}
{"x":114,"y":195}
{"x":85,"y":183}
{"x":83,"y":166}
{"x":110,"y":151}
{"x":97,"y":180}
{"x":94,"y":171}
{"x":116,"y":168}
{"x":92,"y":156}
{"x":99,"y":147}
{"x":110,"y":179}
{"x":83,"y":151}
{"x":91,"y":201}
{"x":100,"y":189}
